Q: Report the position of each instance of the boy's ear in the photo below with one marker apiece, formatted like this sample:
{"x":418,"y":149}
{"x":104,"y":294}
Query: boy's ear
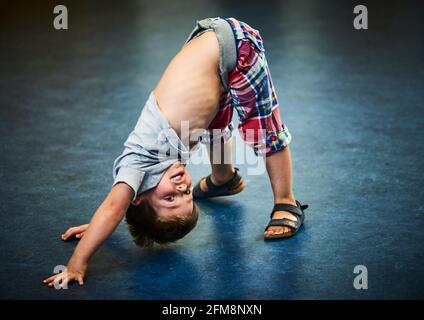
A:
{"x":138,"y":200}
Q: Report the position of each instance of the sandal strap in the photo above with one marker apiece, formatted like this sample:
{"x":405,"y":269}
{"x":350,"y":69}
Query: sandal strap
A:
{"x":209,"y":184}
{"x":302,"y":206}
{"x":296,"y":210}
{"x":284,"y":222}
{"x":228,"y":185}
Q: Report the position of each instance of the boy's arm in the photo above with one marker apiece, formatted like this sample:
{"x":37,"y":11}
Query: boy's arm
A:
{"x":104,"y":221}
{"x":128,"y":175}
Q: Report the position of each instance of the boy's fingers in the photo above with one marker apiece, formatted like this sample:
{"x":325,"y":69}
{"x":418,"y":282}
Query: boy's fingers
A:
{"x":50,"y":279}
{"x":62,"y":280}
{"x":79,"y":228}
{"x":74,"y":230}
{"x":65,"y":281}
{"x":68,"y":233}
{"x":80,"y":235}
{"x":54,"y":281}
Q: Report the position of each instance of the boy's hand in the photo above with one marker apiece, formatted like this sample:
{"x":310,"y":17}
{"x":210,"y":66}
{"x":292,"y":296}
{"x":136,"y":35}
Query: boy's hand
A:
{"x":78,"y":232}
{"x":107,"y":217}
{"x":73,"y":272}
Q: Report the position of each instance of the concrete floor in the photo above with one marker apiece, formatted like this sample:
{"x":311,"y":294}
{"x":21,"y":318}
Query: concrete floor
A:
{"x":353,"y":101}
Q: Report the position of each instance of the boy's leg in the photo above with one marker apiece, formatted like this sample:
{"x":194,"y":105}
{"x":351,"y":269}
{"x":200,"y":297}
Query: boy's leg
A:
{"x":279,"y":168}
{"x":220,"y":155}
{"x":258,"y":110}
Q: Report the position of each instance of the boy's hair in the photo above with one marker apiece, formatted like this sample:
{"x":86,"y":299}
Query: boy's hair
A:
{"x":147,"y":228}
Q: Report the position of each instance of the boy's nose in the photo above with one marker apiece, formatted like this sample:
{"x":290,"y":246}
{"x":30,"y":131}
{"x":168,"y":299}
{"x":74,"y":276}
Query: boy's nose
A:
{"x":182,"y":187}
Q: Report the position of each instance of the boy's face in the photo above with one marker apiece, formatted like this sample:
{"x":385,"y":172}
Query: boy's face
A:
{"x":173,"y":195}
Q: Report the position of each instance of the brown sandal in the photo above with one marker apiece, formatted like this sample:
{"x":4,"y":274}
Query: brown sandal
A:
{"x":234,"y":186}
{"x":294,"y":225}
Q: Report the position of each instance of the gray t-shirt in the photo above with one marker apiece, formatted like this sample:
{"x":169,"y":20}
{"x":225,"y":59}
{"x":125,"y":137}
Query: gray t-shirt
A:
{"x":149,"y":150}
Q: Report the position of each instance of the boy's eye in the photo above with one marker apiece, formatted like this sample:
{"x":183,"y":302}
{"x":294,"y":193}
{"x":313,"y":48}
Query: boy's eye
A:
{"x":170,"y":198}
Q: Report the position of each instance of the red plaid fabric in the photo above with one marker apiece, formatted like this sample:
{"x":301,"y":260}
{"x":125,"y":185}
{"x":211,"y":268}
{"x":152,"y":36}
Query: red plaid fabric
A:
{"x":252,"y":95}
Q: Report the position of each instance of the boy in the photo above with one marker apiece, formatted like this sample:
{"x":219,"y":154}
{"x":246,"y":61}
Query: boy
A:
{"x":221,"y":67}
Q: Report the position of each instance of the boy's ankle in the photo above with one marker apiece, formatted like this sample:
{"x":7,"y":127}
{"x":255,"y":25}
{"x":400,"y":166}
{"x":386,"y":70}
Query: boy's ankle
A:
{"x":286,"y":199}
{"x":221,"y":179}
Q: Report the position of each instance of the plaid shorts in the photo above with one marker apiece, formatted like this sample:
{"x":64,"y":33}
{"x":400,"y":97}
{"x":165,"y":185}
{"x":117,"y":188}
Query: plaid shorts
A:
{"x":251,"y":93}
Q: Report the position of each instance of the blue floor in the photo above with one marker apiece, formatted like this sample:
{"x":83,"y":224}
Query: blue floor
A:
{"x":353,"y":101}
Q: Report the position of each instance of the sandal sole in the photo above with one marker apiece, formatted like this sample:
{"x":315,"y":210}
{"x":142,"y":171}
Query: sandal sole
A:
{"x":237,"y":189}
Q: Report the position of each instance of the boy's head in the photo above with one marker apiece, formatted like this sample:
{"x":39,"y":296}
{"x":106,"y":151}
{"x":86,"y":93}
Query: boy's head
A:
{"x":165,"y":213}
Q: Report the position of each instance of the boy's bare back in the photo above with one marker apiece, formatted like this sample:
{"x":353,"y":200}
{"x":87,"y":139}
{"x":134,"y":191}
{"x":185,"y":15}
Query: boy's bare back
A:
{"x":190,"y":87}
